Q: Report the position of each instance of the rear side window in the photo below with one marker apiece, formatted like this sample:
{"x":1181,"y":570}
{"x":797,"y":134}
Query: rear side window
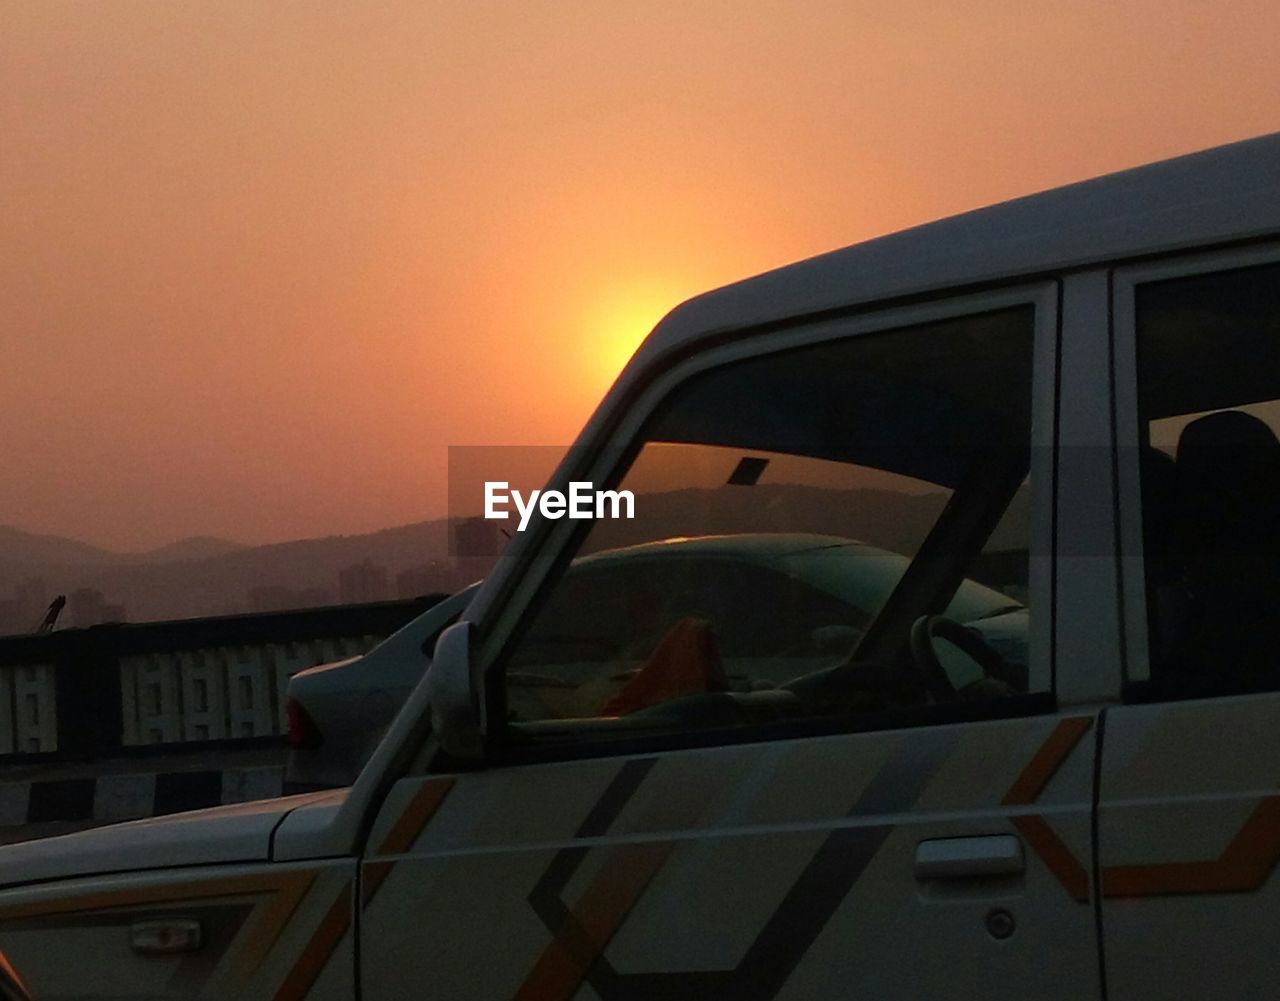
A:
{"x":1209,"y":399}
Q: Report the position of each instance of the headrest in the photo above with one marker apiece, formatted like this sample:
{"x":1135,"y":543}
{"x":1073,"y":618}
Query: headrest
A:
{"x":1220,"y":441}
{"x":1229,"y":481}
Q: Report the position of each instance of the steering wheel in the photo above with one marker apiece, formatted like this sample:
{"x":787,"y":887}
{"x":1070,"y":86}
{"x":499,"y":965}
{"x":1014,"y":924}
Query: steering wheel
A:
{"x":939,"y":685}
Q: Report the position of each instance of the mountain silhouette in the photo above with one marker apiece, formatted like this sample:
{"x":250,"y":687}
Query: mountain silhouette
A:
{"x":19,"y":547}
{"x":202,"y":576}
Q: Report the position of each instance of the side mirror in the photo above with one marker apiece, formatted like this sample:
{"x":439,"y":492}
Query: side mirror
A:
{"x":455,"y":695}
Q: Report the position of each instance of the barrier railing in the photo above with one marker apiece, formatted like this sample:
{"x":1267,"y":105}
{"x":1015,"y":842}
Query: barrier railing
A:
{"x":130,"y":688}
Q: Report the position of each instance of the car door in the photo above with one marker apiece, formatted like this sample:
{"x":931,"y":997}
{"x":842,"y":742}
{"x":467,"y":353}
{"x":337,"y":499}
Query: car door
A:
{"x":1189,"y":807}
{"x":872,"y":826}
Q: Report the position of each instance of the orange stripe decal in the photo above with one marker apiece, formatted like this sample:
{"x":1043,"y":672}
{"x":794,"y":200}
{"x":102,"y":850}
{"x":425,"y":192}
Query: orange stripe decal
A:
{"x":404,"y":832}
{"x":311,"y":963}
{"x":426,"y":801}
{"x":272,"y":921}
{"x":1044,"y":841}
{"x":1035,"y":830}
{"x":279,"y":893}
{"x":161,"y":894}
{"x":1062,"y":741}
{"x":1243,"y":866}
{"x":601,"y":910}
{"x":371,"y":878}
{"x":9,"y":978}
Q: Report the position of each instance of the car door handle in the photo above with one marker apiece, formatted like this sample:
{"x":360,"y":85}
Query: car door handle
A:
{"x":970,"y":857}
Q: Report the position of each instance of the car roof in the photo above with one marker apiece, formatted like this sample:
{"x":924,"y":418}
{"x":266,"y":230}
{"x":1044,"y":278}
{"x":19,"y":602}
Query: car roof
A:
{"x":1215,"y":196}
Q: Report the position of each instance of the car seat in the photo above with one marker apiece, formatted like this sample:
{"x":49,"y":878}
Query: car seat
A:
{"x":685,"y":662}
{"x":1228,"y":472}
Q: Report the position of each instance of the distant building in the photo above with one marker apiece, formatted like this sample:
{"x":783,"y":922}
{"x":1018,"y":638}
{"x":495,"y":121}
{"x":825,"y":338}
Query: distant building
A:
{"x":477,"y":538}
{"x":430,"y":578}
{"x":33,"y":596}
{"x":13,"y":618}
{"x":314,"y":597}
{"x":87,"y":607}
{"x":476,"y":546}
{"x":362,"y":582}
{"x":25,"y":610}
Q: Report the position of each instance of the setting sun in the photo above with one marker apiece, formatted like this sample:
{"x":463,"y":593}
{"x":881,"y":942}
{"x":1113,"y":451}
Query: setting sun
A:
{"x":618,"y":322}
{"x":255,"y":254}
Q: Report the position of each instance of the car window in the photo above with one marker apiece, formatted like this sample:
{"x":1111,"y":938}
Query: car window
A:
{"x":597,"y":612}
{"x":759,"y":611}
{"x":801,"y":521}
{"x":1208,"y":350}
{"x":617,"y":605}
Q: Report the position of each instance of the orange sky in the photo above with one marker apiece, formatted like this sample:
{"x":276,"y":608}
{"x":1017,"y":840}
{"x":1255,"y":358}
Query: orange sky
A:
{"x":260,"y":264}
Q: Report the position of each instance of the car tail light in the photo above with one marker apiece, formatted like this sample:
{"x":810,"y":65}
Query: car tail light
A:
{"x":303,"y":732}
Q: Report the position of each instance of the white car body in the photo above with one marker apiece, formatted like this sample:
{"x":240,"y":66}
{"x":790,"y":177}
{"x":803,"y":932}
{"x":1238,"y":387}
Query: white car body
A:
{"x":1075,"y":841}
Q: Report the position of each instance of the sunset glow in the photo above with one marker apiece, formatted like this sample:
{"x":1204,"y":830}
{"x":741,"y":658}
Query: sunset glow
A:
{"x":617,"y":325}
{"x":261,"y":265}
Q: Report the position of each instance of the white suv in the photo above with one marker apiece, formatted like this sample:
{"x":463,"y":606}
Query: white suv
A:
{"x":611,"y":821}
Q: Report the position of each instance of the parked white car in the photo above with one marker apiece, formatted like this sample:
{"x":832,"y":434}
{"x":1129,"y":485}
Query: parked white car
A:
{"x":338,"y":712}
{"x":539,"y":823}
{"x":748,"y":586}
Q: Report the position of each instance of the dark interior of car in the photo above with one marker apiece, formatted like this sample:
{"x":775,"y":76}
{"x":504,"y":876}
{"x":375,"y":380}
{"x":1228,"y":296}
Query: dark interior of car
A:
{"x":1211,"y":509}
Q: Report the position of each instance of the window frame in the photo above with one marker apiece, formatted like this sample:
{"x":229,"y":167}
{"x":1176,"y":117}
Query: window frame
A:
{"x":542,"y":564}
{"x":1130,"y":436}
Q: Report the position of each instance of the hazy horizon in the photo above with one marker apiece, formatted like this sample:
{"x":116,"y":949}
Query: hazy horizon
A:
{"x":261,"y":265}
{"x":198,"y":536}
{"x":409,"y":560}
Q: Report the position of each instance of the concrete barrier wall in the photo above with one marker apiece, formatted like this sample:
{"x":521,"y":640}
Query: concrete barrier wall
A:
{"x":28,"y":709}
{"x":87,"y":693}
{"x":219,"y":693}
{"x":131,"y":796}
